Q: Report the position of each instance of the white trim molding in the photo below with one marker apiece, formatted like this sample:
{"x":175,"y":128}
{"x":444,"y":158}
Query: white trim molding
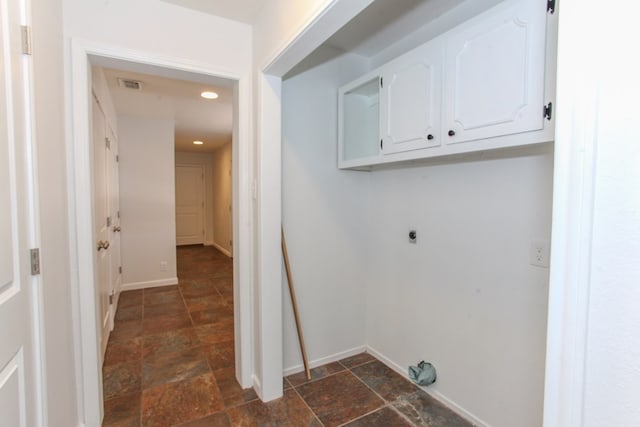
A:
{"x":220,"y":248}
{"x":572,"y":221}
{"x":149,"y":284}
{"x":432,"y":392}
{"x":326,"y":359}
{"x":80,"y":213}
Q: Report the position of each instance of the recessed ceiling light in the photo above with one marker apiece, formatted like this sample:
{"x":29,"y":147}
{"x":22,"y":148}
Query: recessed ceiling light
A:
{"x":198,"y":142}
{"x":209,"y":95}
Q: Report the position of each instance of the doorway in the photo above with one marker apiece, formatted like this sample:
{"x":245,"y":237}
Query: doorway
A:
{"x":86,"y":55}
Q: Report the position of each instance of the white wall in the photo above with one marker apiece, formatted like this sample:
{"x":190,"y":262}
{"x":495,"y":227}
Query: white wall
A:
{"x":161,"y":28}
{"x":612,"y":374}
{"x":147,"y":201}
{"x":281,"y":39}
{"x":221,"y":194}
{"x":202,"y":159}
{"x":324,"y":212}
{"x":59,"y":358}
{"x":464,"y":297}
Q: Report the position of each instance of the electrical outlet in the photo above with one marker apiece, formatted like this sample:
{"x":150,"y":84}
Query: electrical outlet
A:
{"x":163,"y":265}
{"x":539,"y":253}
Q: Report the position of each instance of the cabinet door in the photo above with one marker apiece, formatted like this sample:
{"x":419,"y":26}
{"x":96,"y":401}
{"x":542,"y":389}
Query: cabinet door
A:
{"x":410,"y":100}
{"x":494,"y":73}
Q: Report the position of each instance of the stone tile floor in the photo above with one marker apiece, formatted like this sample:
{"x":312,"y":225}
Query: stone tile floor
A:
{"x":170,"y":362}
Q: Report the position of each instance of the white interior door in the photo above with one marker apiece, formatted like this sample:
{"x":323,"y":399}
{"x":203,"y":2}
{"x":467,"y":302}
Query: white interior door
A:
{"x":189,"y":204}
{"x":102,"y":221}
{"x":19,"y":404}
{"x":114,"y":213}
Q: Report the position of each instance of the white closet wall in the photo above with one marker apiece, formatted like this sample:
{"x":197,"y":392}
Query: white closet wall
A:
{"x":325,"y":217}
{"x":464,"y":297}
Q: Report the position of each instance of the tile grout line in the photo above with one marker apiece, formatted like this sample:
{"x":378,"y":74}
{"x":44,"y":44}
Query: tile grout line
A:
{"x":306,"y":404}
{"x":387,"y":403}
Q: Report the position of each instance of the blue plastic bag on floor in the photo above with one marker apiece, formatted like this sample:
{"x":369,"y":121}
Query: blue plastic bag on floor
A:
{"x":424,"y":374}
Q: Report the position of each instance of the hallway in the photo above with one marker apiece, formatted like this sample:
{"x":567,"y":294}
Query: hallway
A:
{"x":170,"y":362}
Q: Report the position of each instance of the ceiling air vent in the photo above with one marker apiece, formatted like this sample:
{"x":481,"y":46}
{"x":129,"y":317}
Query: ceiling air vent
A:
{"x":130,"y":84}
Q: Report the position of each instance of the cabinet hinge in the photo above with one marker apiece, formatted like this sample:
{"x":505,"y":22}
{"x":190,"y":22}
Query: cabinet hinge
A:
{"x":381,"y":82}
{"x":110,"y":299}
{"x":381,"y":144}
{"x":118,"y":214}
{"x":120,"y":269}
{"x":26,"y":40}
{"x":548,"y":110}
{"x":551,"y":6}
{"x":117,"y":158}
{"x":108,"y":221}
{"x":108,"y":143}
{"x":34,"y":255}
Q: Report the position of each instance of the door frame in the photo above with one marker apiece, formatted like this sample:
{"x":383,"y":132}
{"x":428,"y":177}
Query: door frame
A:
{"x":204,"y":197}
{"x":84,"y":302}
{"x":572,"y":212}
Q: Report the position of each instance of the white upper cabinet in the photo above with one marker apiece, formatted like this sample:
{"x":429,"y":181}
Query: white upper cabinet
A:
{"x":494,"y":73}
{"x":410,"y":100}
{"x":359,"y":122}
{"x":482,"y":85}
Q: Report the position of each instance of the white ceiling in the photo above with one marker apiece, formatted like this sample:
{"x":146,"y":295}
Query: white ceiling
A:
{"x":237,"y":10}
{"x":196,"y":118}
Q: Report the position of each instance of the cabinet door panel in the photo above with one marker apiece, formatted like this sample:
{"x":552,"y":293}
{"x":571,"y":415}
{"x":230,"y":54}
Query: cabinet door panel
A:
{"x":410,"y":101}
{"x":494,"y":71}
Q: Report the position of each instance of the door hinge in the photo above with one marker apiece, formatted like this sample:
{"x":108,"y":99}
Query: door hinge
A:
{"x":381,"y":82}
{"x":120,"y":269}
{"x":381,"y":144}
{"x":108,"y":143}
{"x":111,"y":299}
{"x":548,"y":110}
{"x":26,"y":40}
{"x":35,"y":261}
{"x":108,"y":221}
{"x":551,"y":6}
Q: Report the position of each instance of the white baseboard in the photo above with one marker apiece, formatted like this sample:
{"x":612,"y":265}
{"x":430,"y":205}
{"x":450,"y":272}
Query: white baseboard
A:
{"x":220,"y":248}
{"x":324,"y":360}
{"x":149,"y":284}
{"x":434,"y":393}
{"x":257,"y":386}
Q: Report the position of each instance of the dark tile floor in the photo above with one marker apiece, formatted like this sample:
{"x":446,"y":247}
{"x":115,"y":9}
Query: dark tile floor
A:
{"x":170,"y":362}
